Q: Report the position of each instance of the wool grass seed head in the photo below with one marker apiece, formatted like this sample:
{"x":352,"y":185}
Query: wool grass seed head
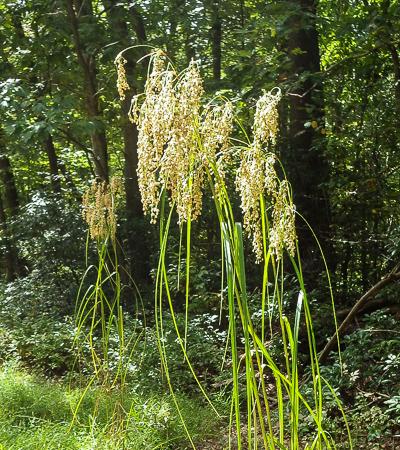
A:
{"x":99,"y":207}
{"x":283,"y":233}
{"x":154,"y":119}
{"x":168,"y":151}
{"x":122,"y":82}
{"x":257,"y":176}
{"x":250,"y":182}
{"x":180,"y":140}
{"x":216,"y":129}
{"x":266,"y":118}
{"x":181,"y":170}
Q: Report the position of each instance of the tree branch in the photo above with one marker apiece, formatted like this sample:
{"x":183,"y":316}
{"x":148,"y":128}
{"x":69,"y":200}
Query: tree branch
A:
{"x":392,"y":277}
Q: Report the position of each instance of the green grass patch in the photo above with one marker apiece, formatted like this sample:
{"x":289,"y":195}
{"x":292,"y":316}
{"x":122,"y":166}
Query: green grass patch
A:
{"x":38,"y":414}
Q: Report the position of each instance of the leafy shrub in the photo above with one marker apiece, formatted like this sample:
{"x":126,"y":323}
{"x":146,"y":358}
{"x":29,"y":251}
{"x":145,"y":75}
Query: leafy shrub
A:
{"x":369,"y":379}
{"x":205,"y":349}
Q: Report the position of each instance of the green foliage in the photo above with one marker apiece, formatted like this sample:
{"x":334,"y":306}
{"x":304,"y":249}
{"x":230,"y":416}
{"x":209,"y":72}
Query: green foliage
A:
{"x":369,"y":379}
{"x":44,"y":344}
{"x":51,"y":239}
{"x":205,"y":351}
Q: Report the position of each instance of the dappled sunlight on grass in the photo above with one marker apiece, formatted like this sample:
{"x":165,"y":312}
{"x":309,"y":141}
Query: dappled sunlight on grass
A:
{"x":37,"y":414}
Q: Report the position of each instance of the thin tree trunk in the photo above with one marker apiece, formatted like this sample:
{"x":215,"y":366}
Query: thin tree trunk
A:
{"x":88,"y":65}
{"x":176,"y":11}
{"x":138,"y":25}
{"x":53,"y":164}
{"x":242,"y":23}
{"x":120,"y":33}
{"x":385,"y":13}
{"x":11,"y":202}
{"x":345,"y":270}
{"x":48,"y":142}
{"x":396,"y":69}
{"x":11,"y":263}
{"x":137,"y":248}
{"x":9,"y":205}
{"x":216,"y":39}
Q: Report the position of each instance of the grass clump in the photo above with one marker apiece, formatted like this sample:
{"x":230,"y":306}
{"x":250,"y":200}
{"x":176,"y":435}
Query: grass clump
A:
{"x":186,"y":149}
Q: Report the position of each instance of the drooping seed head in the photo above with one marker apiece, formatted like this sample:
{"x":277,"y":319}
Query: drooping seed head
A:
{"x":99,"y":208}
{"x":122,"y":82}
{"x":266,"y":118}
{"x":257,"y":178}
{"x":283,"y":232}
{"x":154,"y":118}
{"x":180,"y":142}
{"x":180,"y":169}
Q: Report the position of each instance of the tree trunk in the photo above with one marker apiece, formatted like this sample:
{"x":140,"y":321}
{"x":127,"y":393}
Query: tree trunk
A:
{"x":88,"y":65}
{"x":53,"y":164}
{"x":348,"y":253}
{"x":10,"y":258}
{"x":307,"y":166}
{"x":216,"y":39}
{"x":176,"y":11}
{"x":396,"y":69}
{"x":9,"y":205}
{"x":48,"y":141}
{"x":11,"y":202}
{"x":391,"y":46}
{"x":137,"y":247}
